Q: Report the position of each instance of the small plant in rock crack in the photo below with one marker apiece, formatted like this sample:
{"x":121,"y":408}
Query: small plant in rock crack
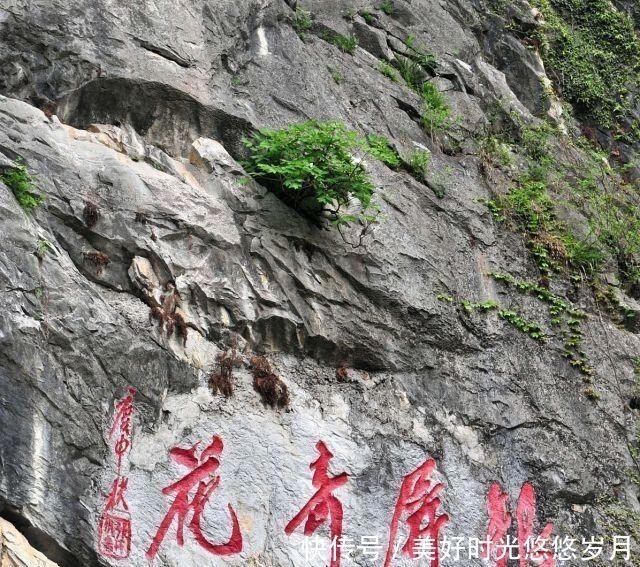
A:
{"x":43,"y":248}
{"x":418,"y":164}
{"x":272,"y":390}
{"x":336,"y":75}
{"x":512,"y":317}
{"x":98,"y":259}
{"x":527,"y":327}
{"x":302,"y":22}
{"x":343,"y":43}
{"x":221,"y":380}
{"x":412,"y":73}
{"x":350,"y":13}
{"x":380,"y":148}
{"x":387,"y":7}
{"x":388,"y":71}
{"x":318,"y":169}
{"x":496,"y":150}
{"x":592,"y":394}
{"x":368,"y":17}
{"x":435,"y":110}
{"x":562,"y":316}
{"x":425,"y":59}
{"x":167,"y":315}
{"x":90,"y":214}
{"x":17,"y":178}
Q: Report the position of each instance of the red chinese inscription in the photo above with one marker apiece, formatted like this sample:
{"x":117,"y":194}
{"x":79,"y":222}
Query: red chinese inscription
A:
{"x":532,"y":550}
{"x":323,"y":505}
{"x":191,"y":494}
{"x":114,"y":526}
{"x":121,"y":428}
{"x":499,"y":524}
{"x":419,"y":505}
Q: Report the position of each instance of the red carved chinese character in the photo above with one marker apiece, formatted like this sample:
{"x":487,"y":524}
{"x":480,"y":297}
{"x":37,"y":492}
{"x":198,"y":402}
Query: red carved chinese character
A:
{"x":201,"y":479}
{"x":323,"y":504}
{"x":114,"y":527}
{"x":419,"y":501}
{"x":499,"y":524}
{"x":532,"y":550}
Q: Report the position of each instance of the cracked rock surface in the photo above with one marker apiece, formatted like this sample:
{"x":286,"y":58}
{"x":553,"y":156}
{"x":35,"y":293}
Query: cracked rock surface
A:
{"x":136,"y":111}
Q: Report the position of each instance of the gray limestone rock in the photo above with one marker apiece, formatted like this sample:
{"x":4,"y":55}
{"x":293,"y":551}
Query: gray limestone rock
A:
{"x":140,"y":110}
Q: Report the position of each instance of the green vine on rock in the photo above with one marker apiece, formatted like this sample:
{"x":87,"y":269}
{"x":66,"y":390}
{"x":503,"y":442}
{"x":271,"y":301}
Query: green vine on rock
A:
{"x":562,"y":315}
{"x":592,"y":53}
{"x":529,"y":328}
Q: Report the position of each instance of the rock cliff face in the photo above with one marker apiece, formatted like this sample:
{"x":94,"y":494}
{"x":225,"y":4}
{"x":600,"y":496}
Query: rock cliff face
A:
{"x":130,"y":118}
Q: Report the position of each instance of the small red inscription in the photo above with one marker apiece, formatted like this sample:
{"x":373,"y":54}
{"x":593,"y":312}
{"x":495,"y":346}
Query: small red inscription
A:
{"x":114,"y":526}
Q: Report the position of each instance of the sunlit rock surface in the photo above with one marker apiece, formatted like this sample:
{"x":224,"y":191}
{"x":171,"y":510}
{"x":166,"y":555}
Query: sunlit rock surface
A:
{"x":138,"y":110}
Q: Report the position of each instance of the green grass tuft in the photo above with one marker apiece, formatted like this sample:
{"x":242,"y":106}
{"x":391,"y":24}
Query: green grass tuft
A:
{"x":17,"y":178}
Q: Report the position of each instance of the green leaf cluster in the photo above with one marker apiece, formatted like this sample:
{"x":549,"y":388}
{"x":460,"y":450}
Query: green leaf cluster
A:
{"x":302,"y":22}
{"x":343,"y":43}
{"x":418,"y":164}
{"x":380,"y":148}
{"x":318,"y":167}
{"x":388,"y":71}
{"x":387,"y":7}
{"x":592,"y":53}
{"x":552,"y":244}
{"x":435,"y":110}
{"x":367,"y":16}
{"x":416,"y":66}
{"x":512,"y":317}
{"x":497,"y":150}
{"x":17,"y":178}
{"x":562,"y":315}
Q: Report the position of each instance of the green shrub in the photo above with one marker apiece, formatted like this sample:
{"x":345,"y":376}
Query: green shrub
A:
{"x":388,"y":71}
{"x":336,"y":75}
{"x":536,"y":141}
{"x":315,"y":167}
{"x":614,"y":219}
{"x":425,"y":59}
{"x":380,"y":148}
{"x":418,"y":164}
{"x":551,"y":242}
{"x":530,"y":203}
{"x":344,"y":44}
{"x":497,"y":150}
{"x":17,"y":178}
{"x":435,"y":110}
{"x":367,"y":17}
{"x":387,"y":7}
{"x":302,"y":22}
{"x":43,"y":247}
{"x":412,"y":73}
